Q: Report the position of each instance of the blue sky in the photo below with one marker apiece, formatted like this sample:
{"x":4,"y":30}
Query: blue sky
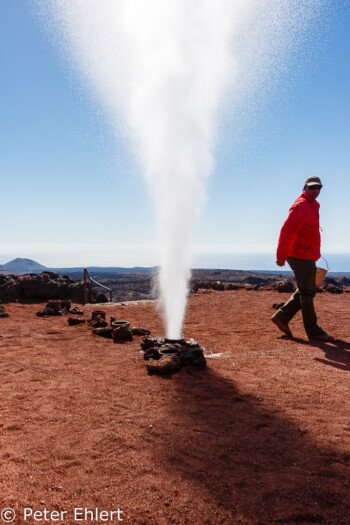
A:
{"x":72,"y":193}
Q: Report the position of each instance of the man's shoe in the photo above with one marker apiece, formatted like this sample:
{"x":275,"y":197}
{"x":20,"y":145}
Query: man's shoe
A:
{"x":323,"y":336}
{"x":281,"y":325}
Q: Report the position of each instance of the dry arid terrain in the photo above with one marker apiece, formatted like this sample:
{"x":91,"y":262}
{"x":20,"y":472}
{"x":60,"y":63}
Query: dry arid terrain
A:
{"x":261,"y":436}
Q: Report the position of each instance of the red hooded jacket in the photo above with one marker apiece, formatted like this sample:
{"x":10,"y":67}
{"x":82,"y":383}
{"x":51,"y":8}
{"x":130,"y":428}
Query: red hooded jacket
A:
{"x":300,"y":233}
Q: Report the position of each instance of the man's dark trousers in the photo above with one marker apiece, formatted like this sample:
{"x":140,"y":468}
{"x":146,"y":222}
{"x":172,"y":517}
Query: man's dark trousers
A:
{"x":303,"y":298}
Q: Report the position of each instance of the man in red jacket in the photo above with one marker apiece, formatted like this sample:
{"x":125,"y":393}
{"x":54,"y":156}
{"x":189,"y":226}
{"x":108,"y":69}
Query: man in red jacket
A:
{"x":299,"y":244}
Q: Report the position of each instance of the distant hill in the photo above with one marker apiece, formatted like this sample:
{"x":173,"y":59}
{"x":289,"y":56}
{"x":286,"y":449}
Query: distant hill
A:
{"x":22,"y":266}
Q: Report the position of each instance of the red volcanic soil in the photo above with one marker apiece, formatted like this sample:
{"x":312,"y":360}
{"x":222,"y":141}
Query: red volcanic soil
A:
{"x":261,"y":436}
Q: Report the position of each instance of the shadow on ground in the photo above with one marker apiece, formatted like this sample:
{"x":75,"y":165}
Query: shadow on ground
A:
{"x":251,"y":464}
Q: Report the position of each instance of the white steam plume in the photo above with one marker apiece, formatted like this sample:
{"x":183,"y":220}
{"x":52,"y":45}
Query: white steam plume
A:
{"x":163,"y":69}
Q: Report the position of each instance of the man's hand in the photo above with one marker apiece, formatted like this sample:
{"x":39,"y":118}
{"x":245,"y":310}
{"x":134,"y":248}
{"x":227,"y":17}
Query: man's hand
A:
{"x":280,"y":262}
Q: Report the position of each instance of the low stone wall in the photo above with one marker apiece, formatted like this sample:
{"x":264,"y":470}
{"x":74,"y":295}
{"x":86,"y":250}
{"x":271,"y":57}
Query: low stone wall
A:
{"x":43,"y":286}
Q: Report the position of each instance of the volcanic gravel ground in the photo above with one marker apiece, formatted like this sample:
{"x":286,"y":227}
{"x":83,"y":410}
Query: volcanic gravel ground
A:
{"x":261,"y":436}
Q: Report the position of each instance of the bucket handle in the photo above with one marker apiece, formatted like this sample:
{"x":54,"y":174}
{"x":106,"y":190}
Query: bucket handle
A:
{"x":328,"y":268}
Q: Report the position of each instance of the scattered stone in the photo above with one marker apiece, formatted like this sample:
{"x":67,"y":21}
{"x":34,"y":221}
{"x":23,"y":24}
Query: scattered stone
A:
{"x":48,"y":311}
{"x":137,"y":330}
{"x":73,"y":321}
{"x":103,"y":332}
{"x":98,"y":322}
{"x":277,"y":306}
{"x":98,"y":313}
{"x":75,"y":311}
{"x":98,"y":319}
{"x":3,"y":312}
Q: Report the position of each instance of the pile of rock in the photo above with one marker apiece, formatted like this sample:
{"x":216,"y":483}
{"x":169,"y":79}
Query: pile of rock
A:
{"x":56,"y":307}
{"x":97,"y":319}
{"x":165,"y":356}
{"x":119,"y":331}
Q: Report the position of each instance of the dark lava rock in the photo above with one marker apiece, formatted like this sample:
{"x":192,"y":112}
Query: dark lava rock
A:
{"x":277,"y":306}
{"x":98,"y":313}
{"x":204,"y":285}
{"x":103,"y":332}
{"x":163,"y":356}
{"x":150,"y":342}
{"x":167,"y":364}
{"x":251,"y":287}
{"x":101,"y":298}
{"x":10,"y":288}
{"x":55,"y":305}
{"x":3,"y":312}
{"x":121,"y":335}
{"x":218,"y":286}
{"x":67,"y":304}
{"x":73,"y":321}
{"x":98,"y":322}
{"x":284,"y":286}
{"x":137,"y":330}
{"x":331,"y":288}
{"x":232,"y":286}
{"x":43,"y":286}
{"x":193,"y":286}
{"x":48,"y":311}
{"x":151,"y":353}
{"x":343,"y":281}
{"x":329,"y":280}
{"x":192,"y":356}
{"x":75,"y":311}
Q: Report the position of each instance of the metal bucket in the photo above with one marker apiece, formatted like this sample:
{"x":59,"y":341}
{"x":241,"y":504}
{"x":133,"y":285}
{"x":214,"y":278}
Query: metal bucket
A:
{"x":321,"y":274}
{"x":121,"y":324}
